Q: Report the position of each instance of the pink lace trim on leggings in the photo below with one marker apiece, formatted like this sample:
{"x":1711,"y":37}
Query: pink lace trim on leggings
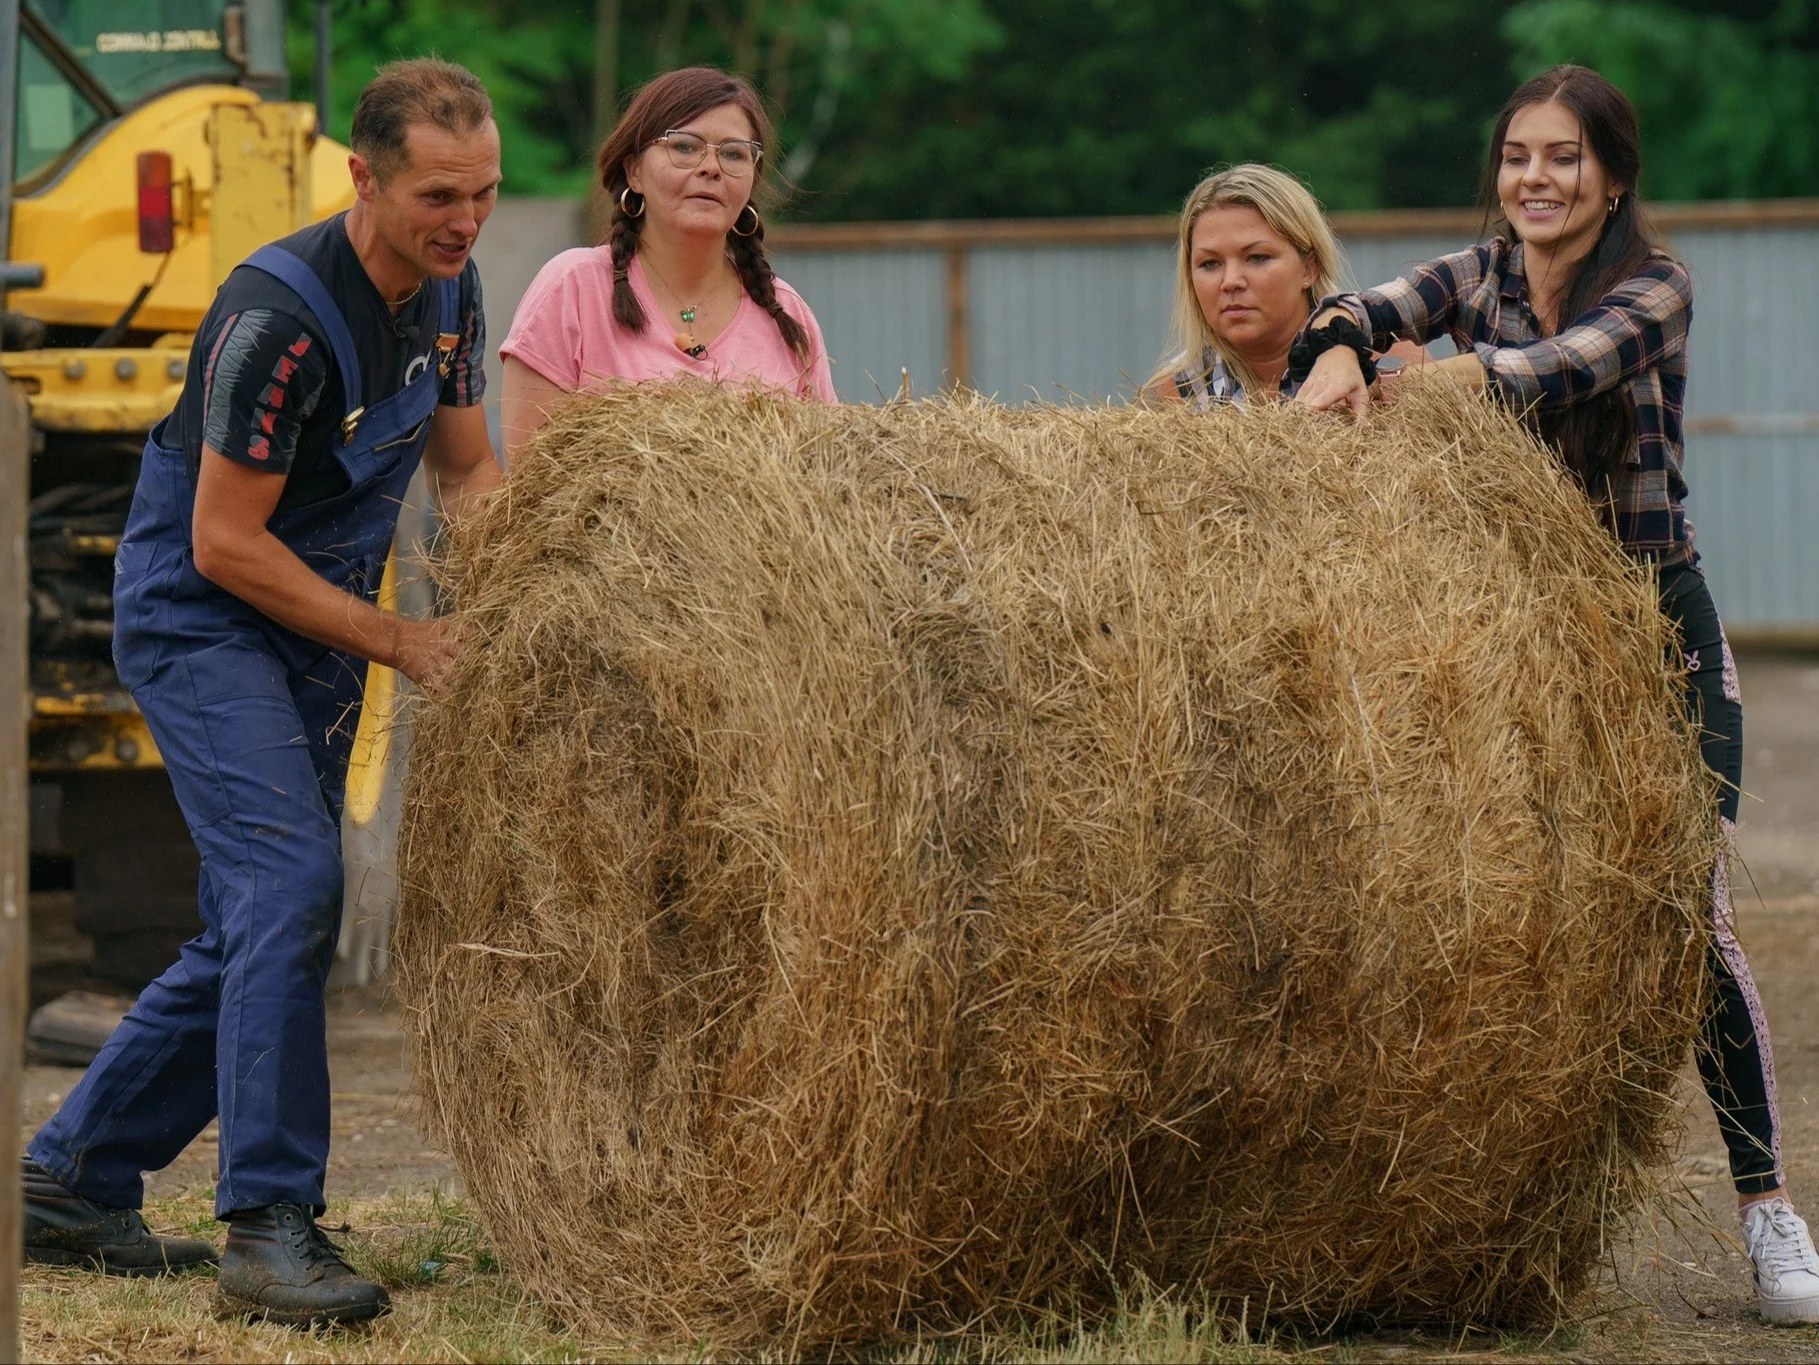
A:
{"x":1724,"y":923}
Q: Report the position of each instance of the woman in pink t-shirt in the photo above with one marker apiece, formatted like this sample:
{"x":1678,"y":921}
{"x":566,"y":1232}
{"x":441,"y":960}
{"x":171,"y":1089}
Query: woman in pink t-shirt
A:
{"x":682,"y":285}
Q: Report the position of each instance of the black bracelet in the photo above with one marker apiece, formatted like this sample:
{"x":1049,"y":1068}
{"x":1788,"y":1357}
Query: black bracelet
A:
{"x":1314,"y":343}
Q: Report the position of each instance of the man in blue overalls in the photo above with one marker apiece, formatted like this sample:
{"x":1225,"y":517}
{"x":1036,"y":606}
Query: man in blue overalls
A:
{"x":328,"y":366}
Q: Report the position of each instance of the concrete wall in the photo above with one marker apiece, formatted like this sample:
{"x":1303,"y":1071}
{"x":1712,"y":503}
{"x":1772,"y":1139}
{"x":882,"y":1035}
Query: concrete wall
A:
{"x":520,"y":236}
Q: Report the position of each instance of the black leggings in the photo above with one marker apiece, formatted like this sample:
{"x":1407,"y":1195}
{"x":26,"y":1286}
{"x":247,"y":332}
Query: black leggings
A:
{"x":1735,"y":1058}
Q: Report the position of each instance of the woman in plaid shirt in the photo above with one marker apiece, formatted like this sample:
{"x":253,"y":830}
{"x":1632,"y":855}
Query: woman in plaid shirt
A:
{"x":1572,"y":315}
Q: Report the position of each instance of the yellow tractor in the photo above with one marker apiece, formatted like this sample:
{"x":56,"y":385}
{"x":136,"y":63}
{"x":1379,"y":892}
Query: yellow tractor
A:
{"x":151,"y":150}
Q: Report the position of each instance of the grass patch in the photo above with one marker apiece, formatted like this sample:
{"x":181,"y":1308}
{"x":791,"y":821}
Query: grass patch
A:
{"x":452,"y":1303}
{"x":1157,"y":1328}
{"x":411,"y":1241}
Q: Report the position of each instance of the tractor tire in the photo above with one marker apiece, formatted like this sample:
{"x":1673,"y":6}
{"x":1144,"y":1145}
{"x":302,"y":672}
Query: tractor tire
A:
{"x":135,"y":871}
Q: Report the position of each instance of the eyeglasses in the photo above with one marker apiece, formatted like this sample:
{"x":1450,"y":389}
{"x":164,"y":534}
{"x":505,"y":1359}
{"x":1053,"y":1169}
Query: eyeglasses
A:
{"x":737,"y":156}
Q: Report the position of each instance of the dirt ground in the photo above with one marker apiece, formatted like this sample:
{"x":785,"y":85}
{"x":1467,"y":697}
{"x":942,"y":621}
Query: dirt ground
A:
{"x":1682,"y":1294}
{"x":1690,"y":1295}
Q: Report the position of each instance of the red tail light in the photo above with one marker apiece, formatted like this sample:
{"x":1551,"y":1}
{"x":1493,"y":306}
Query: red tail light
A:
{"x":157,"y":223}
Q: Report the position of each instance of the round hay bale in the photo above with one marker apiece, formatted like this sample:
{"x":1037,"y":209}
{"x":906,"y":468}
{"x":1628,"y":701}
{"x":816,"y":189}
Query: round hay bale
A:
{"x":890,"y":867}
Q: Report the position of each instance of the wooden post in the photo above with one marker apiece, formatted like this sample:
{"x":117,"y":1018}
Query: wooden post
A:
{"x":606,"y":68}
{"x":15,"y":466}
{"x":959,"y":337}
{"x":325,"y":65}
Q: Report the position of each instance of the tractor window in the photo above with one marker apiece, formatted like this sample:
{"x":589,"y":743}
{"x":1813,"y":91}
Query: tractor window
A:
{"x":136,"y":48}
{"x":53,"y":116}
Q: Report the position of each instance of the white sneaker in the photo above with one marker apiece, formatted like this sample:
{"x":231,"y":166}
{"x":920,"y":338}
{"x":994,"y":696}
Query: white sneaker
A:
{"x":1787,"y":1268}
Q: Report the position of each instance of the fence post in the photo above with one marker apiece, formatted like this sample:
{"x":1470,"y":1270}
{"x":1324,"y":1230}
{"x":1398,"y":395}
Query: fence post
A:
{"x":15,"y":465}
{"x":959,"y":337}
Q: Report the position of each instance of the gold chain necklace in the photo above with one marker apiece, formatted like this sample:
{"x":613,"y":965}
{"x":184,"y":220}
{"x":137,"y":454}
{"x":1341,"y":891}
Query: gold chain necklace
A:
{"x":399,"y":303}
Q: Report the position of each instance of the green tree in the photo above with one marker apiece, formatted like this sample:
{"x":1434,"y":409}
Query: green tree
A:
{"x":984,"y":108}
{"x":1116,"y":106}
{"x":536,"y":72}
{"x":818,"y":62}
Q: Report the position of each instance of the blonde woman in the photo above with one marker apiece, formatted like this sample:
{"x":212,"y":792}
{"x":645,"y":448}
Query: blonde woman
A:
{"x":1254,"y":253}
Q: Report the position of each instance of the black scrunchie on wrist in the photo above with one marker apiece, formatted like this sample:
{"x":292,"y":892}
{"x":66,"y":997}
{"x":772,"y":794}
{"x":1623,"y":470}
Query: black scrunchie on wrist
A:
{"x":1311,"y":345}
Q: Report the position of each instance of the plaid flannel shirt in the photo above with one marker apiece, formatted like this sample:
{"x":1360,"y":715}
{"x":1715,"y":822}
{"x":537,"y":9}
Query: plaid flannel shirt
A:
{"x":1211,"y":384}
{"x":1634,"y":336}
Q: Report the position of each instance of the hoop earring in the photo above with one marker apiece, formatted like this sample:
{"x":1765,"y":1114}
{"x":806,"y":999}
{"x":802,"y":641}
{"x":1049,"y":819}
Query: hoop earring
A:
{"x":623,"y":208}
{"x":757,"y":222}
{"x":1613,"y":206}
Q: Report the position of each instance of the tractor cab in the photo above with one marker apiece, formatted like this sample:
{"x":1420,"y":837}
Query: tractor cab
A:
{"x":82,"y":63}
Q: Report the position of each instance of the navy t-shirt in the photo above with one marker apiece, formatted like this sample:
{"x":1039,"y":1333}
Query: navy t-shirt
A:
{"x":263,"y":388}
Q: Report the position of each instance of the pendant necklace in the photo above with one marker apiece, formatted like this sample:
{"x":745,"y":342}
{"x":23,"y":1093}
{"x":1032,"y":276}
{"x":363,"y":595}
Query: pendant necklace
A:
{"x":684,"y":339}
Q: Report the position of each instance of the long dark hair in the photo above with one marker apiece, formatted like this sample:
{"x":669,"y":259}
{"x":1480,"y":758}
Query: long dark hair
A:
{"x":670,"y":101}
{"x":1593,"y":437}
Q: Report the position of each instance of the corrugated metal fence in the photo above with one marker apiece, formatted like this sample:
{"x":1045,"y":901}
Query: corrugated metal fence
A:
{"x":1078,"y":309}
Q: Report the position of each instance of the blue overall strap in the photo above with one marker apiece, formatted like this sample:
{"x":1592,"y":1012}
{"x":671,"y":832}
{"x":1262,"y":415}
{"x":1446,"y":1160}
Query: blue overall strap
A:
{"x":290,"y":269}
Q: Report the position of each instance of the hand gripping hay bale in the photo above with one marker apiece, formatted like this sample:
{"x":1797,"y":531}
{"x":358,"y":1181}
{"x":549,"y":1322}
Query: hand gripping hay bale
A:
{"x":886,"y":868}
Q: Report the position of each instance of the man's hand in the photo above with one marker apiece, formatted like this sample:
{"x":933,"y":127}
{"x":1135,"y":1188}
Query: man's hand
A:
{"x":425,"y":649}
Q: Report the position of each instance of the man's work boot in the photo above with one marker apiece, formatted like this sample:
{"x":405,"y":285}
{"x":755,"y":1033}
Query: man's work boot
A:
{"x":63,"y":1228}
{"x":281,"y":1267}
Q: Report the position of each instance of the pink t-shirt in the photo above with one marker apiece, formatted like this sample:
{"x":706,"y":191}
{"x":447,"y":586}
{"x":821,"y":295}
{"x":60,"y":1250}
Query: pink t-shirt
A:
{"x":565,"y":331}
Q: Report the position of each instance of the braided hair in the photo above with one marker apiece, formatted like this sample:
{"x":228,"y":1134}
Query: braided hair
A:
{"x":760,"y":281}
{"x":670,"y":101}
{"x":623,"y":236}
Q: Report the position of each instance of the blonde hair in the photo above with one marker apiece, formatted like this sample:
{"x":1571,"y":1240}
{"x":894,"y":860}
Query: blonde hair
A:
{"x":1291,"y":212}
